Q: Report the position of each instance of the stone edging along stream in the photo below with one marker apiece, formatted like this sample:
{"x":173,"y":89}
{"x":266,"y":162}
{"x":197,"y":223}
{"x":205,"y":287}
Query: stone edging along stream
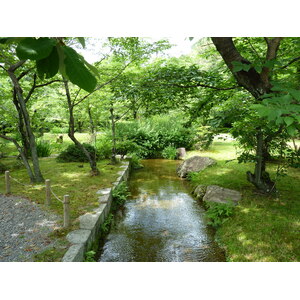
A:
{"x":90,"y":223}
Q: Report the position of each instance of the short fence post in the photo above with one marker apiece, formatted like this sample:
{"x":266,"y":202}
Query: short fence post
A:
{"x":48,"y":192}
{"x":66,"y":211}
{"x":7,"y":182}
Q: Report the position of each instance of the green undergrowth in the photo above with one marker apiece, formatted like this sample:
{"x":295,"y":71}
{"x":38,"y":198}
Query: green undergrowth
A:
{"x":262,"y":228}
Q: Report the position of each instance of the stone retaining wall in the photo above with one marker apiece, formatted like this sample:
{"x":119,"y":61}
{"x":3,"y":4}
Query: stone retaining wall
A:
{"x":90,"y":223}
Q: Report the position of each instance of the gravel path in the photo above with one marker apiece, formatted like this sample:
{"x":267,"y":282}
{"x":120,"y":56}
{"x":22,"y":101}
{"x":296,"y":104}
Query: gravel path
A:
{"x":24,"y":228}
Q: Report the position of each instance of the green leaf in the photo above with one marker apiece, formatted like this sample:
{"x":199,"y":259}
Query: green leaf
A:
{"x":61,"y":59}
{"x":49,"y":65}
{"x":288,"y":120}
{"x":7,"y":40}
{"x":81,"y":40}
{"x":36,"y":49}
{"x":291,"y":130}
{"x":92,"y":68}
{"x":77,"y":71}
{"x":258,"y":69}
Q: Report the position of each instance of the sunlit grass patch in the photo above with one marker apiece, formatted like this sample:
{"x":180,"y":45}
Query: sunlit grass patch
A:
{"x":262,"y":228}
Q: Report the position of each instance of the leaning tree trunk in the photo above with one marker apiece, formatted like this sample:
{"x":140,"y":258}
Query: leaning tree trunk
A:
{"x":21,"y":127}
{"x":92,"y":161}
{"x":257,"y":84}
{"x":23,"y":156}
{"x":38,"y":177}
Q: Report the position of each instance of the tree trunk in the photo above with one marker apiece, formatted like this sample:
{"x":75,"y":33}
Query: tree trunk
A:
{"x":261,"y":178}
{"x":92,"y":124}
{"x":23,"y":157}
{"x":21,"y":126}
{"x":38,"y":177}
{"x":113,"y":131}
{"x":92,"y":161}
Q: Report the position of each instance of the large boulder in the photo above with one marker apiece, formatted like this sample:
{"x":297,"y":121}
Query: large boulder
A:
{"x":194,"y":164}
{"x":215,"y":193}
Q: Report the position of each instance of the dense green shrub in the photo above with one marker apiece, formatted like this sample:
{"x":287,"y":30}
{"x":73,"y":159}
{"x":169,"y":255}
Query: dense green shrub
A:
{"x":125,"y":147}
{"x":150,"y":137}
{"x":169,"y":152}
{"x":74,"y":154}
{"x":104,"y":147}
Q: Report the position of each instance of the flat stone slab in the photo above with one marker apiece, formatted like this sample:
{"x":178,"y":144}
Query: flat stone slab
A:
{"x":215,"y":193}
{"x":104,"y":191}
{"x":104,"y":198}
{"x":194,"y":164}
{"x":74,"y":254}
{"x":89,"y":221}
{"x":79,"y":236}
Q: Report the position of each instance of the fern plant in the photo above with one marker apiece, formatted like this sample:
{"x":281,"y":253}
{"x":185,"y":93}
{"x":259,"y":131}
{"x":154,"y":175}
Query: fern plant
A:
{"x":218,"y":213}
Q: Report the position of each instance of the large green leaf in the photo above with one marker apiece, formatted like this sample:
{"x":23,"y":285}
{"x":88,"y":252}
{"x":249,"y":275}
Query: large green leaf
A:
{"x":81,"y":40}
{"x":289,"y":120}
{"x":291,"y":130}
{"x":77,"y":72}
{"x":48,"y":66}
{"x":36,"y":49}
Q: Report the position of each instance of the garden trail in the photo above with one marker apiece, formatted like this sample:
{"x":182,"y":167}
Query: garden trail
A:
{"x":160,"y":221}
{"x":24,"y":228}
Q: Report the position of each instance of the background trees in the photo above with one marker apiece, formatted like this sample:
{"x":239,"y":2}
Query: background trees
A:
{"x":246,"y":86}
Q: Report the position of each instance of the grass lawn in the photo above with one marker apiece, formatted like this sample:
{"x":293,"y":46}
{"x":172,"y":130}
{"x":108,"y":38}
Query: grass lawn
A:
{"x":262,"y":229}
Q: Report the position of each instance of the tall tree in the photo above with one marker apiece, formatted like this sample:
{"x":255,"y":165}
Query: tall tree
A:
{"x":258,"y":83}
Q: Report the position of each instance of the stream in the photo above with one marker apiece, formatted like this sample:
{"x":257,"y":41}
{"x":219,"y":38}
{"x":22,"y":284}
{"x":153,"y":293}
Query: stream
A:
{"x":160,"y":222}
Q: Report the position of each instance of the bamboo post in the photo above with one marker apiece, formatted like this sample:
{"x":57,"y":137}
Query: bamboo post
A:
{"x":7,"y":182}
{"x":66,"y":211}
{"x":48,"y":192}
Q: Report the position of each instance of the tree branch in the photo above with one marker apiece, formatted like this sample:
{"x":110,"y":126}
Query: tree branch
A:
{"x":14,"y":67}
{"x":273,"y":46}
{"x":47,"y":83}
{"x":32,"y":89}
{"x":289,"y":63}
{"x":197,"y":85}
{"x":24,"y":73}
{"x":102,"y":85}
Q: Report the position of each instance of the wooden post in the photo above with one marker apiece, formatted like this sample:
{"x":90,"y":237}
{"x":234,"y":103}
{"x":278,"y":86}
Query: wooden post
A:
{"x":48,"y":192}
{"x":66,"y":211}
{"x":7,"y":182}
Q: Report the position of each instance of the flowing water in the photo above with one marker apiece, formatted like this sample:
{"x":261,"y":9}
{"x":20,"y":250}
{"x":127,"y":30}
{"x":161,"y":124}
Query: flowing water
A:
{"x":161,"y":222}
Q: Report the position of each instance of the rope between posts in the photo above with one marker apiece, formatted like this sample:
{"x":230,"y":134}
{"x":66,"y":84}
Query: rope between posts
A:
{"x":16,"y":180}
{"x":55,"y":195}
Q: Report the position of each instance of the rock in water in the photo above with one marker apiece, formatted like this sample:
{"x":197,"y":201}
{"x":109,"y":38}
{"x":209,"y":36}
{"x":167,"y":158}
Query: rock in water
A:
{"x":194,"y":164}
{"x":215,"y":193}
{"x":200,"y":191}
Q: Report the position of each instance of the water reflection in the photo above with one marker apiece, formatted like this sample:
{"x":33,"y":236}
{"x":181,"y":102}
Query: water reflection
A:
{"x":161,"y":221}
